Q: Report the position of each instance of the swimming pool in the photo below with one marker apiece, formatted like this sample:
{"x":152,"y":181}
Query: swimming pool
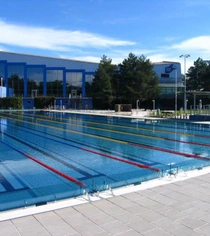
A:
{"x":47,"y":156}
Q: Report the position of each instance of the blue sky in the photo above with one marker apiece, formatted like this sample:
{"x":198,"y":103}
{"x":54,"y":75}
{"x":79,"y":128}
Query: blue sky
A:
{"x":161,"y":30}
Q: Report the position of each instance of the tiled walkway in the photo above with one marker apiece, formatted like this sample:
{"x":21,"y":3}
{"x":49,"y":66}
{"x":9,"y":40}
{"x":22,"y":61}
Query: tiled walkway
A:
{"x":180,"y":208}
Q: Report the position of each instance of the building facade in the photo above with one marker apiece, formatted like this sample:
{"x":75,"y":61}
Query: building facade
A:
{"x":169,"y":76}
{"x":29,"y":76}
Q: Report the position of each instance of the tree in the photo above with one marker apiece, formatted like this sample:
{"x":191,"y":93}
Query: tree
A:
{"x":138,"y":79}
{"x":197,"y":76}
{"x":102,"y":83}
{"x":206,"y":79}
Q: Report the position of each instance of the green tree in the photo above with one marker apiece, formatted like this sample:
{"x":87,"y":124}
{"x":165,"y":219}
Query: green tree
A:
{"x":101,"y":88}
{"x":197,"y":76}
{"x":138,"y":79}
{"x":206,"y":79}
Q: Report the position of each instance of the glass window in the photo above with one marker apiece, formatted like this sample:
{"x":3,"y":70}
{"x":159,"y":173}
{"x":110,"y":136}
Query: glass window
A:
{"x":54,"y":83}
{"x":165,"y":75}
{"x":16,"y":79}
{"x":74,"y":82}
{"x":35,"y":81}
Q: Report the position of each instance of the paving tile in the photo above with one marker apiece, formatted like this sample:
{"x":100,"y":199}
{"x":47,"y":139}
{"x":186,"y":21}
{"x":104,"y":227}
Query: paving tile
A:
{"x":141,"y":226}
{"x":127,"y":217}
{"x":88,"y":229}
{"x":67,"y":212}
{"x":164,"y":199}
{"x":205,"y":230}
{"x":133,"y":196}
{"x":157,"y":232}
{"x":130,"y":233}
{"x":158,"y":207}
{"x":8,"y":229}
{"x":77,"y":220}
{"x":146,"y":202}
{"x":198,"y":213}
{"x":25,"y":222}
{"x":101,"y":219}
{"x":151,"y":216}
{"x":54,"y":224}
{"x":147,"y":193}
{"x":33,"y":231}
{"x":160,"y":189}
{"x":206,"y":218}
{"x":178,"y":197}
{"x":167,"y":224}
{"x":109,"y":208}
{"x":115,"y":227}
{"x":121,"y":202}
{"x":88,"y":209}
{"x":174,"y":214}
{"x":183,"y":206}
{"x":192,"y":222}
{"x":137,"y":209}
{"x":185,"y":231}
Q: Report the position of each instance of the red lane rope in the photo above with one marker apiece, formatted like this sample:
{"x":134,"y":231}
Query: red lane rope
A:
{"x":170,"y":151}
{"x":122,"y":160}
{"x":57,"y":171}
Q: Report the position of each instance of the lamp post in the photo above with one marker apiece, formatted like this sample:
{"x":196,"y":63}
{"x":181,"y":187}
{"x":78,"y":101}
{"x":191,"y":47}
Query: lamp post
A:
{"x":176,"y":93}
{"x":1,"y":82}
{"x":185,"y":56}
{"x":137,"y":107}
{"x":200,"y":106}
{"x":153,"y":107}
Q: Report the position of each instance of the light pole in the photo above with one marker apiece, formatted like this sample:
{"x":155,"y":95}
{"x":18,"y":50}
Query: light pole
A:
{"x":185,"y":56}
{"x":137,"y":107}
{"x":153,"y":107}
{"x":176,"y":93}
{"x":1,"y":82}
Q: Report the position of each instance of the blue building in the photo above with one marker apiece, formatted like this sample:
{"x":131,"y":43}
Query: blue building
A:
{"x":30,"y":76}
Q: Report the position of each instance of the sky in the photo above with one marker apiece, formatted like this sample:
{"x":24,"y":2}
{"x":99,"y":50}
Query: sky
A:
{"x":161,"y":30}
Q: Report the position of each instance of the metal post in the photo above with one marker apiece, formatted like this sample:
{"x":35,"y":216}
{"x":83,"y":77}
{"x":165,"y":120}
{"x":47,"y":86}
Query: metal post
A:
{"x":153,"y":102}
{"x":176,"y":93}
{"x":137,"y":107}
{"x":185,"y":56}
{"x":200,"y":105}
{"x":194,"y":102}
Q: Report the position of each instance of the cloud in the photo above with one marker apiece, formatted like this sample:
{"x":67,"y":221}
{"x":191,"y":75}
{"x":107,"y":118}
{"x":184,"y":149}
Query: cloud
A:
{"x":52,"y":39}
{"x":200,"y":43}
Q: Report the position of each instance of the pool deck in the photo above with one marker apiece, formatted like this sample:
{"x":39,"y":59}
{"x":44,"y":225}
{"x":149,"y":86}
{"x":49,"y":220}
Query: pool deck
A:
{"x":176,"y":205}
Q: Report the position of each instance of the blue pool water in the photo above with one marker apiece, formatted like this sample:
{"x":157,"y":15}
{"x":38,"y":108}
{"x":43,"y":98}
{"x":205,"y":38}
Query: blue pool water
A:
{"x":46,"y":156}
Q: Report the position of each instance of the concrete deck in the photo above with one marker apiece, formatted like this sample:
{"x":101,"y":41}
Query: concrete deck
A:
{"x":179,"y":206}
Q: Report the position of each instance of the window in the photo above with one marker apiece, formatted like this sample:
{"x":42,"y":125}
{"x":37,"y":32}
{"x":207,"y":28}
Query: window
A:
{"x":35,"y":80}
{"x":54,"y":80}
{"x":16,"y":79}
{"x":164,"y":75}
{"x":74,"y":82}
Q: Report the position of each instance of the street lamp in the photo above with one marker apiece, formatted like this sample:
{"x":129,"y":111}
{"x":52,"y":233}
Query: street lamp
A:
{"x":176,"y":93}
{"x":137,"y":106}
{"x":153,"y":102}
{"x":1,"y":82}
{"x":185,"y":56}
